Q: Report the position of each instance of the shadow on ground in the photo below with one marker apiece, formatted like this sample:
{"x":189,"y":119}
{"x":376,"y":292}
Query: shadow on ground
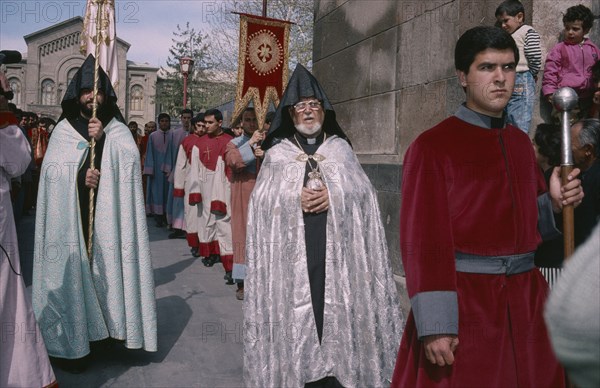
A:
{"x":110,"y":362}
{"x":167,"y":274}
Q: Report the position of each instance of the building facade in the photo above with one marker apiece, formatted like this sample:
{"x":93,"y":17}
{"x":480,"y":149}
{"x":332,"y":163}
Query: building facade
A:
{"x":40,"y":80}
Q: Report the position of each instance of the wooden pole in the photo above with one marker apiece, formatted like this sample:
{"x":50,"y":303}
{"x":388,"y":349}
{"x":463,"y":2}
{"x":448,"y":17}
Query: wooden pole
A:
{"x":264,"y":9}
{"x":568,"y":214}
{"x":564,"y":100}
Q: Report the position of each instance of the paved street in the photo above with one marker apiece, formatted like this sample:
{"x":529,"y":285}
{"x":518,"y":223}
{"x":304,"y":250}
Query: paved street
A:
{"x":199,"y":325}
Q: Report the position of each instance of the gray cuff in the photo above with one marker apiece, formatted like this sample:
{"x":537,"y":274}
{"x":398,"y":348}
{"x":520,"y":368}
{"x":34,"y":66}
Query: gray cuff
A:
{"x":247,"y":153}
{"x":546,"y":223}
{"x":435,"y":312}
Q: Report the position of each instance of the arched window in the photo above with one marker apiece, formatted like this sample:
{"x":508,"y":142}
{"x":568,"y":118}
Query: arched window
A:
{"x":136,"y":98}
{"x":48,"y":92}
{"x":15,"y":85}
{"x":70,"y":74}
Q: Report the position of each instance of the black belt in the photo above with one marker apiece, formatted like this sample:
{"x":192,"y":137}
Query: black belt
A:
{"x":495,"y":265}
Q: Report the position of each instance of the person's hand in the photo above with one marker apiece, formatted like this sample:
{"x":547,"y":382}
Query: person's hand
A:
{"x":259,"y":153}
{"x":439,"y":349}
{"x":95,"y":129}
{"x":256,"y":138}
{"x":550,"y":98}
{"x":571,"y":193}
{"x":314,"y":201}
{"x":92,"y":177}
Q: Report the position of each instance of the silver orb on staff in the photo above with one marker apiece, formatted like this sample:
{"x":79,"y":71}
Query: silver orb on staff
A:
{"x":564,"y":100}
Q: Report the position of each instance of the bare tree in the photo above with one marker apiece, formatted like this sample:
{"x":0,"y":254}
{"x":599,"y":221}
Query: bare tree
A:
{"x":215,"y":54}
{"x":205,"y":88}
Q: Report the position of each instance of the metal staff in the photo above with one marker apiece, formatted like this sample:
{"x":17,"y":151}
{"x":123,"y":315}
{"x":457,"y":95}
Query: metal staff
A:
{"x":565,"y":99}
{"x":99,"y":20}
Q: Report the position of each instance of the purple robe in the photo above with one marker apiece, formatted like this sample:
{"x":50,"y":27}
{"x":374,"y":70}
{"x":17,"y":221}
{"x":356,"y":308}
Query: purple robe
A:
{"x":155,"y":168}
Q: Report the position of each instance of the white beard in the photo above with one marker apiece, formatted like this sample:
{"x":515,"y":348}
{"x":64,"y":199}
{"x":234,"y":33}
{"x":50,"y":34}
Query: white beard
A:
{"x":309,"y":130}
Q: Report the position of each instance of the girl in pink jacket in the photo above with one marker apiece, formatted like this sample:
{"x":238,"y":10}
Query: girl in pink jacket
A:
{"x":570,"y":62}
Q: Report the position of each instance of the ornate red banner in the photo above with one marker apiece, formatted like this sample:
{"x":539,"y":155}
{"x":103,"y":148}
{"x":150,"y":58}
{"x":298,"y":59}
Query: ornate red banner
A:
{"x":263,"y":64}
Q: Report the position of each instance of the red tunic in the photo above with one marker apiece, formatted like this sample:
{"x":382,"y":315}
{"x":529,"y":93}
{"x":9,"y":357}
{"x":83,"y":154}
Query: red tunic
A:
{"x":187,"y":144}
{"x":474,"y":190}
{"x":216,"y":236}
{"x":142,"y":145}
{"x":242,"y":184}
{"x":39,"y":144}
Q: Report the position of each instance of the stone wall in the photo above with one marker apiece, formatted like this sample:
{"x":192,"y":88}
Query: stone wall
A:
{"x":388,"y":67}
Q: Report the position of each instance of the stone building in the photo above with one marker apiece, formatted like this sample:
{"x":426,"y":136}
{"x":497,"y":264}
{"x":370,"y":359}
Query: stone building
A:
{"x":388,"y":68}
{"x":40,"y":80}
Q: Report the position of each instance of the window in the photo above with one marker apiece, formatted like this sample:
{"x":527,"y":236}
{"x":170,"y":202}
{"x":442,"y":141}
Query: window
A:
{"x":15,"y":85}
{"x":48,"y":92}
{"x":136,"y":97}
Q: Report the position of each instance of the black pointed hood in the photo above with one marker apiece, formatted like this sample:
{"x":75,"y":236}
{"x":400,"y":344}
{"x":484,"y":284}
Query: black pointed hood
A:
{"x":301,"y":84}
{"x":84,"y":79}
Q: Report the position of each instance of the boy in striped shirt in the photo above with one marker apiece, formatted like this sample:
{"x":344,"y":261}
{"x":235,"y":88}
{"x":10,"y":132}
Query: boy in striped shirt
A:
{"x":510,"y":15}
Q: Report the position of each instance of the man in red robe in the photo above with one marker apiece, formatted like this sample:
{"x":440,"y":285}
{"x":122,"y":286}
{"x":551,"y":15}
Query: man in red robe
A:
{"x":211,"y":190}
{"x":471,"y":195}
{"x":241,"y":157}
{"x":182,"y":182}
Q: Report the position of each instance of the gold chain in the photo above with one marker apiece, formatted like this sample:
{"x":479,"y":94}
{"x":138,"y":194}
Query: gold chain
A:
{"x":313,"y":169}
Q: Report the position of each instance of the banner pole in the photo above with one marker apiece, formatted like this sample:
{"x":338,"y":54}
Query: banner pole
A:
{"x":94,"y":115}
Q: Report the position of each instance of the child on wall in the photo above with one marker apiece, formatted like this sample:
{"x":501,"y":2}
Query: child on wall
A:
{"x":510,"y":16}
{"x":570,"y":62}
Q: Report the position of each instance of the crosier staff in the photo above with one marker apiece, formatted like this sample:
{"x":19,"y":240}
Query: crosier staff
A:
{"x":564,"y":100}
{"x":98,"y":38}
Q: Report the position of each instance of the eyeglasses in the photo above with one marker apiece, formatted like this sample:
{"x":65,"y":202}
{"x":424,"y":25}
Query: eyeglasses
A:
{"x":302,"y":105}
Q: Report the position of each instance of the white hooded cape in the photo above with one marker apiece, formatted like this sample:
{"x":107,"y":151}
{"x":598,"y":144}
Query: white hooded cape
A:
{"x":362,"y":320}
{"x":73,"y":302}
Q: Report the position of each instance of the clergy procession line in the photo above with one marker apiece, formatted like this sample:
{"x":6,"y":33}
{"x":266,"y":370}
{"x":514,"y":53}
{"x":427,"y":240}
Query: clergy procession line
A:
{"x":287,"y":209}
{"x":199,"y":183}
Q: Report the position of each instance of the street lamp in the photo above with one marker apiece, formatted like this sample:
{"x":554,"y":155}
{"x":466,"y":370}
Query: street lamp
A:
{"x":186,"y":64}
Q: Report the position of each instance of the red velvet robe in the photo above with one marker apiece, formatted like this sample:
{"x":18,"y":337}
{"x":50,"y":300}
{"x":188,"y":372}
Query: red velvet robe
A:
{"x":474,"y":190}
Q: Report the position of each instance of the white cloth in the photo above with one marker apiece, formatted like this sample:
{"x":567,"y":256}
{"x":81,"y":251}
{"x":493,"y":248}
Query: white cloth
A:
{"x":213,"y":225}
{"x":362,"y":321}
{"x":573,"y":314}
{"x":23,"y":357}
{"x":182,"y":182}
{"x":74,"y":302}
